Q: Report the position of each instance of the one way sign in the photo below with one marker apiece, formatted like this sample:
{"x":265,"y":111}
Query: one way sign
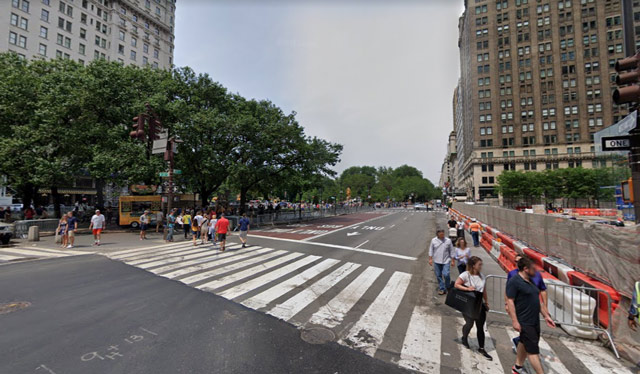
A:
{"x":616,"y":143}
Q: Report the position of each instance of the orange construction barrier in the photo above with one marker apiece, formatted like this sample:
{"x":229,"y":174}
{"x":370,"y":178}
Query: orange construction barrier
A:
{"x":536,"y":257}
{"x":579,"y":279}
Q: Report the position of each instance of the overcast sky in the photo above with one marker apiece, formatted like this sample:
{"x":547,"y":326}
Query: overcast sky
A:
{"x":375,"y":76}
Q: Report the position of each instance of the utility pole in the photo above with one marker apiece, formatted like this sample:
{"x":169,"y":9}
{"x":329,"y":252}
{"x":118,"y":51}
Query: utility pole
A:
{"x":628,"y":28}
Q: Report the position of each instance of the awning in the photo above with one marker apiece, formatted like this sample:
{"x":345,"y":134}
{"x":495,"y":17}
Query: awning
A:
{"x":70,"y":191}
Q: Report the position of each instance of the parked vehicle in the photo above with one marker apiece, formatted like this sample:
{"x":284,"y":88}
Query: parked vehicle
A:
{"x":420,"y":207}
{"x":612,"y":223}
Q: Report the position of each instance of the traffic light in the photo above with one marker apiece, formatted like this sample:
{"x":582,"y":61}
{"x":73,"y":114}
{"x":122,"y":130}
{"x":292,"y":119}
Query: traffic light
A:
{"x":628,"y":73}
{"x":155,"y":128}
{"x":138,"y":128}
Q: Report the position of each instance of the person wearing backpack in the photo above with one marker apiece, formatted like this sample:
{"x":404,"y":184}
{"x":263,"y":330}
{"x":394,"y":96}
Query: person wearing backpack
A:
{"x":195,"y":229}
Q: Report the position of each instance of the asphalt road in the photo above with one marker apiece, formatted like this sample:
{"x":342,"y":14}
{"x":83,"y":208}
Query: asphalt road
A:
{"x":86,"y":304}
{"x":89,"y":314}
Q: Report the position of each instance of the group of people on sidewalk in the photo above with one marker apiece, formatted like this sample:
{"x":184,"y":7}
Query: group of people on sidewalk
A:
{"x":68,"y":227}
{"x":205,"y":226}
{"x":525,"y":295}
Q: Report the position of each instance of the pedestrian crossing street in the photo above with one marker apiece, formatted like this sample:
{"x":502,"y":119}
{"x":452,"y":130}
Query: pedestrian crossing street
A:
{"x":10,"y":254}
{"x":368,"y":308}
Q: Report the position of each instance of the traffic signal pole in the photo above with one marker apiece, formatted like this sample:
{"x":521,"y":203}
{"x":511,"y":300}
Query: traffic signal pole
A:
{"x":634,"y":162}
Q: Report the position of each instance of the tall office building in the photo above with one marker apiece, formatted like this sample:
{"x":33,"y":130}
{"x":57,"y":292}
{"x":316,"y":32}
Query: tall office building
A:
{"x":536,"y":81}
{"x":139,"y":32}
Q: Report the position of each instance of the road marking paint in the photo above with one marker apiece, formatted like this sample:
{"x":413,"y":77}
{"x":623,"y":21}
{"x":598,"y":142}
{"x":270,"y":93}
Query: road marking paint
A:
{"x":187,"y":265}
{"x":265,"y":297}
{"x":212,"y":262}
{"x":224,"y":269}
{"x":31,"y":252}
{"x":151,"y":252}
{"x":181,"y":258}
{"x":332,"y":314}
{"x":422,"y":343}
{"x":295,"y":304}
{"x":394,"y":255}
{"x":165,"y":256}
{"x":254,"y":283}
{"x":550,"y":361}
{"x":140,"y":249}
{"x":361,"y":244}
{"x":63,"y":251}
{"x":392,"y":226}
{"x":473,"y":362}
{"x":8,"y":258}
{"x":596,"y":358}
{"x":367,"y":334}
{"x":348,"y":227}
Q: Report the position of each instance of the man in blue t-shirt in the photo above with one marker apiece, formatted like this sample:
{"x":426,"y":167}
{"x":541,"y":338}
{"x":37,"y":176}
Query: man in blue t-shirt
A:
{"x":538,"y":282}
{"x":243,"y":224}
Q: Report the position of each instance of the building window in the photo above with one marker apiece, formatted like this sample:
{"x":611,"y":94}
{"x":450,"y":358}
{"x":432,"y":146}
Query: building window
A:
{"x":121,"y":49}
{"x":44,"y":32}
{"x":132,"y":55}
{"x":156,"y":53}
{"x":145,"y":60}
{"x":14,"y":19}
{"x":134,"y":42}
{"x":121,"y":35}
{"x":25,"y":6}
{"x":22,"y":41}
{"x":81,"y":48}
{"x":83,"y":34}
{"x":42,"y":50}
{"x":44,"y":15}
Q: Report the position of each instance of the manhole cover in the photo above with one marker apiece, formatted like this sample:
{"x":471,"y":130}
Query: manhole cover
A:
{"x":13,"y":306}
{"x":317,"y":335}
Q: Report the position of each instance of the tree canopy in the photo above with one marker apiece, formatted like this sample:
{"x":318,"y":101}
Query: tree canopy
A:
{"x":60,"y":119}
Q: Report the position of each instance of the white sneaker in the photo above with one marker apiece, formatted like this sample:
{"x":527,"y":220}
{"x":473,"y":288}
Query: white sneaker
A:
{"x":69,"y":246}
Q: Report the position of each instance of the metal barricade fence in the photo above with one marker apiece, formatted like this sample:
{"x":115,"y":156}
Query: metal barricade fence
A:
{"x":45,"y":225}
{"x":580,"y":310}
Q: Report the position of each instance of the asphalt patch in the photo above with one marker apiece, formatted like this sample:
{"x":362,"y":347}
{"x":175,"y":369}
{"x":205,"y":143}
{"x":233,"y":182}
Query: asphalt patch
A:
{"x":89,"y":314}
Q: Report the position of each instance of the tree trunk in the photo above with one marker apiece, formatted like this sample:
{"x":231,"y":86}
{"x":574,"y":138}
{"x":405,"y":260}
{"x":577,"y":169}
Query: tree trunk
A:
{"x":243,"y":199}
{"x":56,"y":201}
{"x":204,"y":195}
{"x":100,"y":194}
{"x":27,"y":193}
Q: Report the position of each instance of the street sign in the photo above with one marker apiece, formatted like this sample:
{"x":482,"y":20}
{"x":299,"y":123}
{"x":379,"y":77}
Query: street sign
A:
{"x":160,"y":145}
{"x":616,"y":143}
{"x":165,"y":174}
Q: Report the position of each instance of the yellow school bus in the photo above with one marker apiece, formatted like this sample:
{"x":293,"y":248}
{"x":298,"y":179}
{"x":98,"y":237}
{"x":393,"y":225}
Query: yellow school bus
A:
{"x":130,"y":208}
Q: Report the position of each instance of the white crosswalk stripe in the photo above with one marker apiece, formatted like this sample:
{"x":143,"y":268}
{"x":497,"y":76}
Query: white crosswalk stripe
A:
{"x":421,"y":348}
{"x":369,"y":331}
{"x":176,"y":257}
{"x":18,"y":253}
{"x":294,"y":305}
{"x":312,"y":291}
{"x":473,"y":362}
{"x":227,"y":268}
{"x":332,"y":314}
{"x":550,"y":362}
{"x":254,"y":283}
{"x":181,"y":268}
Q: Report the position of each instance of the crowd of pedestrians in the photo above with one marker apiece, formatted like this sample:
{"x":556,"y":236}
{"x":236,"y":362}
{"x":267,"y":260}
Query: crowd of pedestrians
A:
{"x":525,"y":294}
{"x":202,"y":227}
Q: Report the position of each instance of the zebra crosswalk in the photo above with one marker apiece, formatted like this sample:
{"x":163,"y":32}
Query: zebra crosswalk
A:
{"x":11,"y":254}
{"x":368,"y":308}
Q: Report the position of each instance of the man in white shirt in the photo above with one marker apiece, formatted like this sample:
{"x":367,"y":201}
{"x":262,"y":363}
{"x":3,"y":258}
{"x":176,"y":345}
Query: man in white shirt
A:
{"x":97,"y":225}
{"x":199,"y":218}
{"x":441,"y":254}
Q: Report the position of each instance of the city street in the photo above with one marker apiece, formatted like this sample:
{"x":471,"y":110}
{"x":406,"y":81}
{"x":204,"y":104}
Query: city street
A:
{"x":362,"y":285}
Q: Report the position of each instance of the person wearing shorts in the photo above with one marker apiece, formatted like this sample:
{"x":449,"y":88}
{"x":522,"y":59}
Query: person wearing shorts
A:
{"x":144,"y":224}
{"x":72,"y":226}
{"x":523,"y":306}
{"x":243,"y":224}
{"x":97,"y":225}
{"x":222,"y":227}
{"x":212,"y":228}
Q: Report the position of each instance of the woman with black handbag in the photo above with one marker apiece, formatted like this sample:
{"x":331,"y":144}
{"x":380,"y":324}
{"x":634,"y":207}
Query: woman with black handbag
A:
{"x":473,"y":281}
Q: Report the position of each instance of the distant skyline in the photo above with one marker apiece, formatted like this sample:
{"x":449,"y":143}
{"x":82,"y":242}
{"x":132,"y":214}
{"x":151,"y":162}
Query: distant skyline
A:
{"x":376,"y":77}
